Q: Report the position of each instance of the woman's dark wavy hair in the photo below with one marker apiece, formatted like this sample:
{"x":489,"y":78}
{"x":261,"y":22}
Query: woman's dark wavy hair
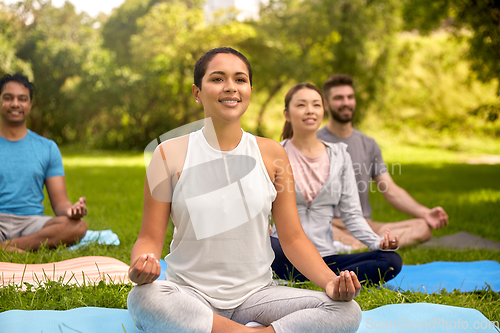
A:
{"x":201,"y":65}
{"x":287,"y":128}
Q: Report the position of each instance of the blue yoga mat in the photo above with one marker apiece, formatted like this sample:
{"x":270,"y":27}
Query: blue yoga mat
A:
{"x":438,"y":275}
{"x":426,"y":317}
{"x":84,"y":320}
{"x":163,"y":268}
{"x":389,"y":318}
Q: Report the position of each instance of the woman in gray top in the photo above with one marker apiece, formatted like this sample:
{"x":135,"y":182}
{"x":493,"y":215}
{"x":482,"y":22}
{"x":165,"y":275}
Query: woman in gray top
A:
{"x":324,"y":179}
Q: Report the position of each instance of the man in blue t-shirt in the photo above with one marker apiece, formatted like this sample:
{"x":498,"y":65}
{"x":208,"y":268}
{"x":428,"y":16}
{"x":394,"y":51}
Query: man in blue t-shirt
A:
{"x":28,"y":161}
{"x":340,"y":103}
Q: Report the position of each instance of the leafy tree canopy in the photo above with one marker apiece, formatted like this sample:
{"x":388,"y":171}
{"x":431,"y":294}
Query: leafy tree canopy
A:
{"x":478,"y":21}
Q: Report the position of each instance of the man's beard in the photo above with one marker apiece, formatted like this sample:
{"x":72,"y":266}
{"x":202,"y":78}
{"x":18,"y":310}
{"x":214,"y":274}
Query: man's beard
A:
{"x":337,"y":116}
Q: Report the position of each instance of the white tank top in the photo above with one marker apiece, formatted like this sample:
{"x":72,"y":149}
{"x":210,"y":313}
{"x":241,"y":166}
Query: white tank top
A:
{"x":220,"y":209}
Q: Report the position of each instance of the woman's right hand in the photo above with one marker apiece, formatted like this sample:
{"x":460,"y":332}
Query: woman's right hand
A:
{"x":344,"y":287}
{"x":146,"y":269}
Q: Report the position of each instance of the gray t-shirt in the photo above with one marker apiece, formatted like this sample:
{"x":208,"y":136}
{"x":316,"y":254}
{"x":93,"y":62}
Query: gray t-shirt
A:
{"x":367,"y":163}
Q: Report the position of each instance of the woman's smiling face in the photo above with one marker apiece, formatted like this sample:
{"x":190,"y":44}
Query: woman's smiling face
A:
{"x":305,"y":111}
{"x":226,"y":89}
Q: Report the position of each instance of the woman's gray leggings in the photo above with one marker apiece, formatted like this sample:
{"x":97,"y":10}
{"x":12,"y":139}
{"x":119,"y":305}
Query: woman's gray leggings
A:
{"x":166,"y":307}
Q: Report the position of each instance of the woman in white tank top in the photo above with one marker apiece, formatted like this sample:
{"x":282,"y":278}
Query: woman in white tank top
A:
{"x":218,"y":185}
{"x":324,"y":178}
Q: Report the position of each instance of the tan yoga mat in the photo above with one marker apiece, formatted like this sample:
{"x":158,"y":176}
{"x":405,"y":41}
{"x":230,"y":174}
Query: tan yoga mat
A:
{"x":78,"y":271}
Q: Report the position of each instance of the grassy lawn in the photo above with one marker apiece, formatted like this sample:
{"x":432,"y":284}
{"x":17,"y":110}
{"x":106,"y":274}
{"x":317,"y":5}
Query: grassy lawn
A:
{"x":113,"y":184}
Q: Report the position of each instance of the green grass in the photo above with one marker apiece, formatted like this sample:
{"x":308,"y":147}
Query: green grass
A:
{"x":113,"y":184}
{"x":470,"y":194}
{"x":485,"y":301}
{"x":57,"y":296}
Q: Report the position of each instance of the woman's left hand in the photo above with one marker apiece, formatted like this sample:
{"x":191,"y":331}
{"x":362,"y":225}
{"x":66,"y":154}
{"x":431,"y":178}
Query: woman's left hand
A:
{"x":344,"y":287}
{"x":389,"y":243}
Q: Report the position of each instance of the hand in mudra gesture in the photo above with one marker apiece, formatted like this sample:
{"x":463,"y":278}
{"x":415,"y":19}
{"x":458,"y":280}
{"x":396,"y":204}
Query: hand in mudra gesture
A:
{"x":78,"y":210}
{"x":388,"y":242}
{"x":146,"y":269}
{"x":344,"y":287}
{"x":436,"y":218}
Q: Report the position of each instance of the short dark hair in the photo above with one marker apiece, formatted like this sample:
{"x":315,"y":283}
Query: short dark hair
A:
{"x":287,"y":128}
{"x":335,"y":81}
{"x":201,"y":65}
{"x":20,"y":79}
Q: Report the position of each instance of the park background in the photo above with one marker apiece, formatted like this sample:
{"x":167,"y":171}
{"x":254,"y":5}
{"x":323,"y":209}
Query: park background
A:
{"x":426,"y":72}
{"x":427,"y":82}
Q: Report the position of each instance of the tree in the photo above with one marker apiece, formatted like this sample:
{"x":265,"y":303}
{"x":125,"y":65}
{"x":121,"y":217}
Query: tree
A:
{"x":56,"y":42}
{"x":478,"y":21}
{"x":122,"y":25}
{"x":309,"y":40}
{"x":9,"y":30}
{"x":170,"y":38}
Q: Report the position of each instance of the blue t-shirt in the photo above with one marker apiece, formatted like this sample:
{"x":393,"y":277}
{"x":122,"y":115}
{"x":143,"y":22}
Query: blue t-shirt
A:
{"x":24,"y":166}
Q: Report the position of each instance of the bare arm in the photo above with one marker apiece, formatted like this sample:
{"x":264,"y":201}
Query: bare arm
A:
{"x":56,"y":188}
{"x":144,"y":264}
{"x":403,"y":201}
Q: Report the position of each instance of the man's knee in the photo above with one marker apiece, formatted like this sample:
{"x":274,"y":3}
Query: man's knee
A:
{"x":377,"y":227}
{"x":82,"y":228}
{"x":76,"y":229}
{"x":70,"y":230}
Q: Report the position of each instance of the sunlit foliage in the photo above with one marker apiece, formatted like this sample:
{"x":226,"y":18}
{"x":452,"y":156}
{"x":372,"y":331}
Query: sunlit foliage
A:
{"x":121,"y":80}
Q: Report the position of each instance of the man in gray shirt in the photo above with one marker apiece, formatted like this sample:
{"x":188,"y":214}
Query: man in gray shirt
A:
{"x":340,"y":103}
